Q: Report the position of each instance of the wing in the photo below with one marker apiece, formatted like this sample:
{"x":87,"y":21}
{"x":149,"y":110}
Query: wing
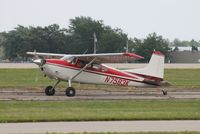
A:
{"x":100,"y":58}
{"x":45,"y":54}
{"x":109,"y":57}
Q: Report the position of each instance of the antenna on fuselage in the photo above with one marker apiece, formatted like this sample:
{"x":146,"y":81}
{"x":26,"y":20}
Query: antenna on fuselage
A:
{"x":95,"y":43}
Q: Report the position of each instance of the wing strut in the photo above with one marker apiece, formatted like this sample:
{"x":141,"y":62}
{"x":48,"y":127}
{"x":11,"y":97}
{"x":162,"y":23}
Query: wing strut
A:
{"x":83,"y":68}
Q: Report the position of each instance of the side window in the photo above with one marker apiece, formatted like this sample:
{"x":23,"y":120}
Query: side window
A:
{"x":72,"y":60}
{"x":104,"y":69}
{"x":95,"y":66}
{"x":81,"y":63}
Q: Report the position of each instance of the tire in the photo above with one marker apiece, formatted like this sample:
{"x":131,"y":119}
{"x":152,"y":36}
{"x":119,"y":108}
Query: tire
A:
{"x":70,"y":92}
{"x":49,"y":91}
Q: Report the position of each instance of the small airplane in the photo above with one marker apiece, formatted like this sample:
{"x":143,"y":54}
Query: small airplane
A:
{"x":89,"y":68}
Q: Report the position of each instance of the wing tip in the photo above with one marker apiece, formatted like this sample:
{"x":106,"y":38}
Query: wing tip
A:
{"x":29,"y":53}
{"x":133,"y":55}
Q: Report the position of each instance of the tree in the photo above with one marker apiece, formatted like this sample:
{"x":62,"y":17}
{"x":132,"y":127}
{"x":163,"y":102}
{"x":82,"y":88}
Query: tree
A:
{"x":2,"y":39}
{"x":22,"y":39}
{"x":185,"y":43}
{"x":177,"y":43}
{"x":77,"y":38}
{"x":153,"y":42}
{"x":10,"y":44}
{"x":112,"y":40}
{"x":82,"y":30}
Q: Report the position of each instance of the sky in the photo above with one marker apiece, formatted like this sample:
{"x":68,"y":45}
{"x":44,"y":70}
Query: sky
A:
{"x":138,"y":18}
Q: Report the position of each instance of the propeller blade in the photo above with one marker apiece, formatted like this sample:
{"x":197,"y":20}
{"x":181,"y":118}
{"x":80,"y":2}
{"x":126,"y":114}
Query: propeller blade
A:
{"x":39,"y":62}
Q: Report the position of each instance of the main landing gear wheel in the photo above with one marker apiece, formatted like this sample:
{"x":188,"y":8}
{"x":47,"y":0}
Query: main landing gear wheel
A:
{"x":164,"y":92}
{"x":70,"y":92}
{"x":49,"y":91}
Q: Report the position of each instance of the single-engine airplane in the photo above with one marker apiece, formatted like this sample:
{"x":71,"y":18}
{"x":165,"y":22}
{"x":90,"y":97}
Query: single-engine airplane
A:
{"x":89,"y":68}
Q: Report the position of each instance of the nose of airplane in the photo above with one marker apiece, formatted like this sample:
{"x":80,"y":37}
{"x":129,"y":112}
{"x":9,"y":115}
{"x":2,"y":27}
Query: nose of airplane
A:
{"x":38,"y":62}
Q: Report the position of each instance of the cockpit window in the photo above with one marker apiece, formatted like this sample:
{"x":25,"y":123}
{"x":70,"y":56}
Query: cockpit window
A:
{"x":104,"y":69}
{"x":69,"y":59}
{"x":96,"y":66}
{"x":80,"y":63}
{"x":73,"y":60}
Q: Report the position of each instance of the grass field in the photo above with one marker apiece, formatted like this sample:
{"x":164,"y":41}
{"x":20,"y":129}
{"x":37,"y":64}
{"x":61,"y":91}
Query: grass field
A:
{"x":183,"y":77}
{"x":33,"y":78}
{"x":77,"y":110}
{"x":22,"y":78}
{"x":82,"y":110}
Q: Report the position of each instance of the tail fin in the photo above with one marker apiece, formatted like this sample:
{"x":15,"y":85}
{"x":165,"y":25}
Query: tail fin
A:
{"x":155,"y":68}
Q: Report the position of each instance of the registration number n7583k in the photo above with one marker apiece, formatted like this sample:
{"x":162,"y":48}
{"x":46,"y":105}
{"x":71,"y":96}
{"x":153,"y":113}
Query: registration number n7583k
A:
{"x":116,"y":81}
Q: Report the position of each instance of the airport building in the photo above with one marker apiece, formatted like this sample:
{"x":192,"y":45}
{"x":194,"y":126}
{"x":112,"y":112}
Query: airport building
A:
{"x":185,"y":55}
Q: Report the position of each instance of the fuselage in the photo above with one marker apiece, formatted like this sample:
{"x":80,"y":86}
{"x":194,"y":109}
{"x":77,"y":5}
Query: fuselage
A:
{"x":95,"y":73}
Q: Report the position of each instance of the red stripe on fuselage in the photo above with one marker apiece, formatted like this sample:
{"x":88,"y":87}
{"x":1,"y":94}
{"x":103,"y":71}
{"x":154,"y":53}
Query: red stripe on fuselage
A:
{"x":104,"y":71}
{"x":148,"y":77}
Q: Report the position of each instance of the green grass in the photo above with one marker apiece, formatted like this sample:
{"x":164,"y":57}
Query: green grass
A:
{"x":183,"y":77}
{"x":33,"y":78}
{"x":22,"y":78}
{"x":91,"y":110}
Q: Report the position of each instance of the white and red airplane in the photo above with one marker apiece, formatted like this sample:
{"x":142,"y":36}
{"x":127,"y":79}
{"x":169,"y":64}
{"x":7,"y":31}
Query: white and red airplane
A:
{"x":88,"y":68}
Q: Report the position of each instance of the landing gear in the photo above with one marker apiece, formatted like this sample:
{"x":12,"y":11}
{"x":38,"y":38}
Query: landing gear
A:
{"x":70,"y":92}
{"x":49,"y":91}
{"x":164,"y":92}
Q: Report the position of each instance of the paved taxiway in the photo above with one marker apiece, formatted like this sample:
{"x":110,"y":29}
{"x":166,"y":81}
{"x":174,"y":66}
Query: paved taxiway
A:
{"x":101,"y":126}
{"x":38,"y":95}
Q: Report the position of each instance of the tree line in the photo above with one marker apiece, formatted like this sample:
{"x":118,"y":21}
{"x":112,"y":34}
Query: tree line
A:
{"x":184,"y":43}
{"x":77,"y":39}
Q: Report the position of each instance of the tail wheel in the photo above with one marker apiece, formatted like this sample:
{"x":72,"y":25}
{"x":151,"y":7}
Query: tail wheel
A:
{"x":70,"y":92}
{"x":49,"y":91}
{"x":164,"y":92}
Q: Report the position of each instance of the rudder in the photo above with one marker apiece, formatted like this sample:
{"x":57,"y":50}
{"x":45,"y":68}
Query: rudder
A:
{"x":155,"y":68}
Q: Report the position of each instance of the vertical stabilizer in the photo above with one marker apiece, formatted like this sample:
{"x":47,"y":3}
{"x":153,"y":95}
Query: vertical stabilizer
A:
{"x":155,"y":68}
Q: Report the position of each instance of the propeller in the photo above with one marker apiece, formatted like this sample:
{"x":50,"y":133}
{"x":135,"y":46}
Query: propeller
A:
{"x":37,"y":60}
{"x":40,"y":62}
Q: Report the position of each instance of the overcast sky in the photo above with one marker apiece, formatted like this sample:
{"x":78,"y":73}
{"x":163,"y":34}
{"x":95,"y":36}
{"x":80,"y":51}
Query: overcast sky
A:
{"x":169,"y":18}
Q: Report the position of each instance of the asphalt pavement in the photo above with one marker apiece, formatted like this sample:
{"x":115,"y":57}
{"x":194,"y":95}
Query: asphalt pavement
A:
{"x":101,"y":126}
{"x":99,"y":94}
